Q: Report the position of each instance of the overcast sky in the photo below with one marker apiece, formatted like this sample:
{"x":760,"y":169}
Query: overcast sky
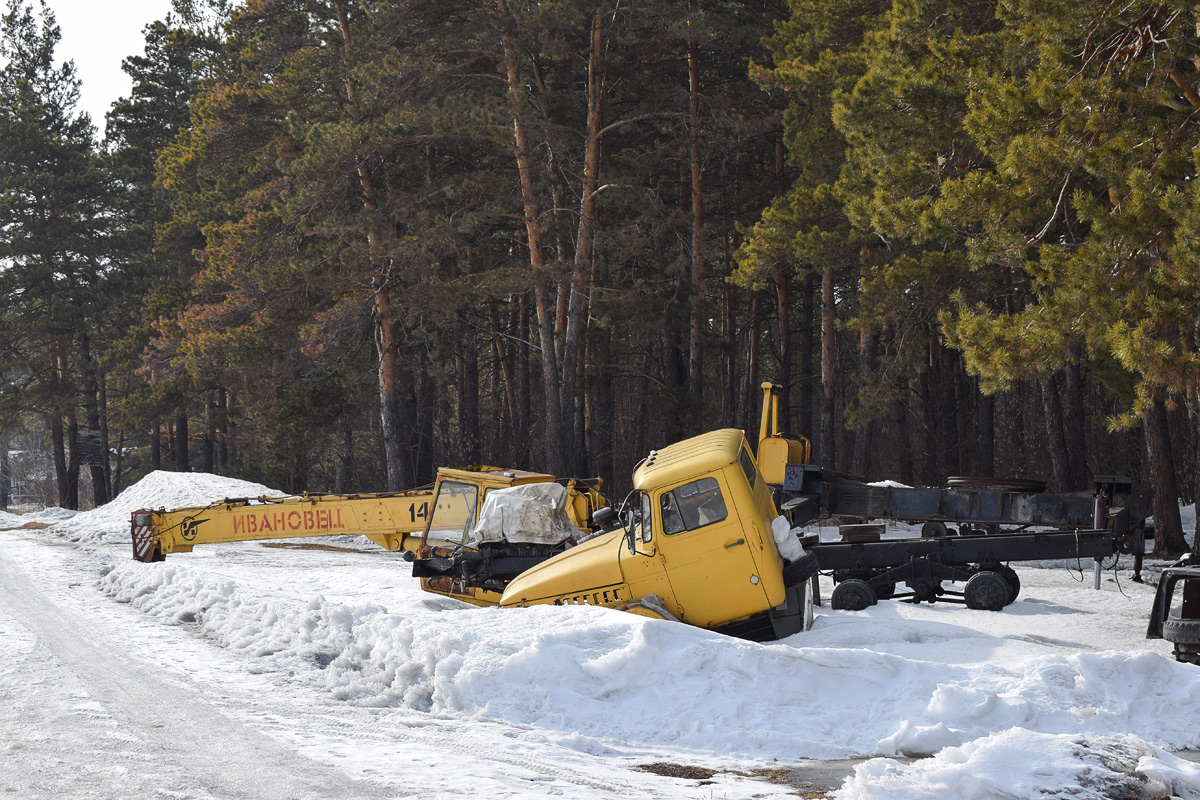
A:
{"x":97,"y":35}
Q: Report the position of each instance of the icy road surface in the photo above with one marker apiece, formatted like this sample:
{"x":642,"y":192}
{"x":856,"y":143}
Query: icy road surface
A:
{"x":243,"y":671}
{"x":100,"y":700}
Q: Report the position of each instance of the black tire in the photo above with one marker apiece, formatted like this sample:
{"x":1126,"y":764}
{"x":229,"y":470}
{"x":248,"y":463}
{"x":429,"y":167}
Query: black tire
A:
{"x":1013,"y":580}
{"x":1182,"y":631}
{"x":986,"y":591}
{"x":934,"y":529}
{"x":852,"y":594}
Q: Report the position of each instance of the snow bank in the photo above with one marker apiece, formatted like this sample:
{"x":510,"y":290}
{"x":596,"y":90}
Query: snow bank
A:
{"x":158,"y":490}
{"x":889,"y":681}
{"x":605,"y":680}
{"x":47,"y":516}
{"x":1021,"y":763}
{"x":8,"y":520}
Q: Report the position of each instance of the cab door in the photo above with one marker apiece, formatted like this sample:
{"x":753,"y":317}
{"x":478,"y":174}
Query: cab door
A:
{"x":643,"y":569}
{"x":710,"y":559}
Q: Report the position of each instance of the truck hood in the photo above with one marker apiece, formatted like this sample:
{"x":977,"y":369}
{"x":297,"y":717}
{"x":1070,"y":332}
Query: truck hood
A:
{"x":595,"y":564}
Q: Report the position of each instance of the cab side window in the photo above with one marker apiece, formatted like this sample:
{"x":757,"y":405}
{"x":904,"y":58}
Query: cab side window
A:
{"x":692,"y":506}
{"x":748,"y":467}
{"x":646,"y":507}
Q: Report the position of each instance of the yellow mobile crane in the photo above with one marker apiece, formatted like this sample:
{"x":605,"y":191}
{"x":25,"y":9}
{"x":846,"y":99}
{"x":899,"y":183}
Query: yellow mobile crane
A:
{"x":393,"y":520}
{"x":695,"y":541}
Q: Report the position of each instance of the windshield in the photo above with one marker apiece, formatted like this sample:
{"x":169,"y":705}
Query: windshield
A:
{"x":453,"y":512}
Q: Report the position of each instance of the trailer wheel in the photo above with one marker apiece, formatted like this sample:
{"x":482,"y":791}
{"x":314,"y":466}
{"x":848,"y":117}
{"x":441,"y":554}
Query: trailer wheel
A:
{"x":986,"y":591}
{"x":1181,"y":631}
{"x":934,"y":529}
{"x":852,"y":594}
{"x":1013,"y":580}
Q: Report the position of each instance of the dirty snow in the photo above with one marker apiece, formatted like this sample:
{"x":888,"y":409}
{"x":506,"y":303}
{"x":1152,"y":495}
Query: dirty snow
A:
{"x":45,"y":516}
{"x":338,"y":659}
{"x":1021,"y":763}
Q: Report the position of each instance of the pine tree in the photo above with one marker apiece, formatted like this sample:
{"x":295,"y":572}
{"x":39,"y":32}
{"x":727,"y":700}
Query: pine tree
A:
{"x":54,"y":209}
{"x":1090,"y":207}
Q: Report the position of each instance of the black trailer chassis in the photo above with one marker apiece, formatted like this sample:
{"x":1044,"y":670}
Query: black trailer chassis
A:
{"x":1084,"y":525}
{"x":865,"y":572}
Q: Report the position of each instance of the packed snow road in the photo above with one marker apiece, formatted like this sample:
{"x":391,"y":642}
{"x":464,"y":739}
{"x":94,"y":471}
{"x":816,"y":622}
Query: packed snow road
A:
{"x":258,"y":672}
{"x":82,"y":692}
{"x":100,"y":700}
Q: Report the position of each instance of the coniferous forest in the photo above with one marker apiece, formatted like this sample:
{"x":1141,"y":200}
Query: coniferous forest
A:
{"x":330,"y":245}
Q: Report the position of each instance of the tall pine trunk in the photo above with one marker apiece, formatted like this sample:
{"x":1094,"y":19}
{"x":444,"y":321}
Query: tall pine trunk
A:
{"x":72,"y":443}
{"x":864,"y":433}
{"x":182,"y":457}
{"x":59,"y":452}
{"x":91,"y":400}
{"x":825,"y":438}
{"x":985,"y":434}
{"x":783,"y":321}
{"x":545,"y":295}
{"x":753,"y":361}
{"x":1168,"y":529}
{"x":695,"y":383}
{"x":1073,"y":422}
{"x":1056,"y":443}
{"x":574,"y":458}
{"x":468,"y":401}
{"x":807,"y":341}
{"x":5,"y":475}
{"x":386,"y":341}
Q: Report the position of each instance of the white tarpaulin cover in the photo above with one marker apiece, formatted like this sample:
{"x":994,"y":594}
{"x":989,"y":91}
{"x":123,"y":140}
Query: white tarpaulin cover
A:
{"x":535,"y":513}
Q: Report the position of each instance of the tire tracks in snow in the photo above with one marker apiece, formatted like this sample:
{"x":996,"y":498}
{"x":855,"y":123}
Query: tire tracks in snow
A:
{"x":127,"y":725}
{"x":136,"y":727}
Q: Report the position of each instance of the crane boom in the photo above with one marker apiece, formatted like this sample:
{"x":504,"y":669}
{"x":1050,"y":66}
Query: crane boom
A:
{"x":393,"y":520}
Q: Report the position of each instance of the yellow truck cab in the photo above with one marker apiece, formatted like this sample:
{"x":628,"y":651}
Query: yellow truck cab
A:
{"x":696,"y":546}
{"x":696,"y":540}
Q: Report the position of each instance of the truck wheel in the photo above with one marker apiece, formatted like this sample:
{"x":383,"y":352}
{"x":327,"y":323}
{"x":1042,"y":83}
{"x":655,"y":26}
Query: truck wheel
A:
{"x":1013,"y":580}
{"x":852,"y":594}
{"x":1182,"y":631}
{"x":986,"y":591}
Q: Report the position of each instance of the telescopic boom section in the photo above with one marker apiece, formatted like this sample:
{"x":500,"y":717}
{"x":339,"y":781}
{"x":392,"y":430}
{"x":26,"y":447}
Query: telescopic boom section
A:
{"x":392,"y":520}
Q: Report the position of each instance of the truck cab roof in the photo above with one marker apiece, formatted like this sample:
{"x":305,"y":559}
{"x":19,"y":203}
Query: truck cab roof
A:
{"x":682,"y":460}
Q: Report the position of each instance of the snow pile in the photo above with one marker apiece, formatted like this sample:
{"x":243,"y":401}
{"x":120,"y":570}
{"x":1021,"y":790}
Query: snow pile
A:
{"x":46,"y":516}
{"x":51,"y":514}
{"x":1014,"y":703}
{"x":1021,"y":763}
{"x":567,"y":669}
{"x":158,"y":490}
